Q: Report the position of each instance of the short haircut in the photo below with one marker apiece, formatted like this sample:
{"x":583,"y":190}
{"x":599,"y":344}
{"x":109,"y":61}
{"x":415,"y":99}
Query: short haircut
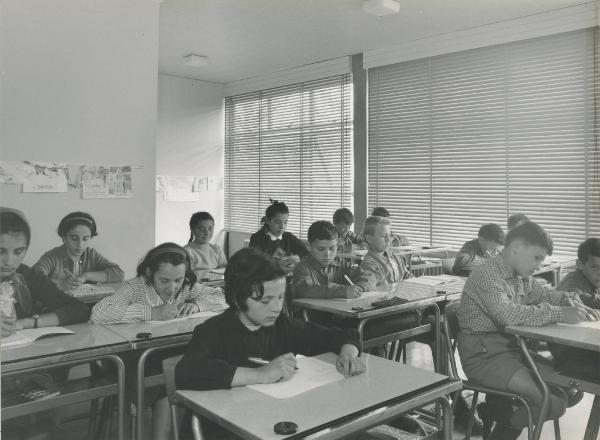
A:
{"x":276,"y":207}
{"x":532,"y":234}
{"x":380,"y":211}
{"x":321,"y":230}
{"x":371,"y":224}
{"x":343,"y":215}
{"x":76,"y":218}
{"x":589,"y":248}
{"x":515,"y":219}
{"x":167,"y":253}
{"x":198,"y":217}
{"x":492,"y":232}
{"x":13,"y":222}
{"x":245,"y":274}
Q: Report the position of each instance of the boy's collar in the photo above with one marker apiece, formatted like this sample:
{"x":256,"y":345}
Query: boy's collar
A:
{"x":274,"y":237}
{"x":317,"y":264}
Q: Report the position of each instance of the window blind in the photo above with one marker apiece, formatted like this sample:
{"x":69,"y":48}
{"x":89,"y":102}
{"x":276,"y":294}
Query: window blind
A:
{"x":469,"y":138}
{"x":293,"y":144}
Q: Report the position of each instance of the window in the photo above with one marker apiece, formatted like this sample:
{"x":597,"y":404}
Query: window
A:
{"x":460,"y":140}
{"x":293,"y":144}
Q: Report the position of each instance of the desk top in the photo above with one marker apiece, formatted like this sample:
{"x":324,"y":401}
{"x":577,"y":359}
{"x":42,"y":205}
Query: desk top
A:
{"x":584,"y":335}
{"x":252,"y":414}
{"x":88,"y":340}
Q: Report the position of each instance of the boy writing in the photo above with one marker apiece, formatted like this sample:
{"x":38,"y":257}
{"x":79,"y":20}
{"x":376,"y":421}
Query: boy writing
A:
{"x":499,"y":293}
{"x":321,"y":274}
{"x":489,"y":239}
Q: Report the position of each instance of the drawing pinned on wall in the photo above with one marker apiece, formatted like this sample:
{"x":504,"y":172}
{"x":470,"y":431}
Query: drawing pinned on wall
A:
{"x":48,"y":177}
{"x":200,"y":184}
{"x":215,"y":183}
{"x":13,"y":172}
{"x":102,"y":182}
{"x":180,"y":189}
{"x":160,"y":184}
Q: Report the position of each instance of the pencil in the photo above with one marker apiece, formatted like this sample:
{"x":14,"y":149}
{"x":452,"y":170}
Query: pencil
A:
{"x":260,"y":361}
{"x":347,"y":278}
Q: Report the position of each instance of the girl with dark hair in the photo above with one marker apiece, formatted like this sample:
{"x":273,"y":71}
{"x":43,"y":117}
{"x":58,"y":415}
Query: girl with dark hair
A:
{"x":273,"y":239}
{"x":75,"y":262}
{"x":165,"y":287}
{"x":204,"y":255}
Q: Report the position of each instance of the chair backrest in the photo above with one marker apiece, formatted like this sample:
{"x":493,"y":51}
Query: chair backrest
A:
{"x":448,"y":265}
{"x":169,"y":365}
{"x":451,"y":331}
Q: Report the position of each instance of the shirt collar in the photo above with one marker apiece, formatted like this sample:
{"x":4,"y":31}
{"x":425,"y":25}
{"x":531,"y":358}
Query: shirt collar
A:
{"x":504,"y":270}
{"x":274,"y":237}
{"x":316,"y":264}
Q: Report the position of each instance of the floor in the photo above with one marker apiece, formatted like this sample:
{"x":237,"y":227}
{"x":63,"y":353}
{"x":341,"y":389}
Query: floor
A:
{"x":572,"y":424}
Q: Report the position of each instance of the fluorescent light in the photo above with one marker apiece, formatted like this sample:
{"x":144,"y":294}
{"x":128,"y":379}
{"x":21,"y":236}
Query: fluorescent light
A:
{"x":195,"y":60}
{"x":381,"y":8}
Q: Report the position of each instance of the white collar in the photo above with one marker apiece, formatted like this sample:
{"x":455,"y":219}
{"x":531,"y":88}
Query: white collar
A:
{"x":273,"y":237}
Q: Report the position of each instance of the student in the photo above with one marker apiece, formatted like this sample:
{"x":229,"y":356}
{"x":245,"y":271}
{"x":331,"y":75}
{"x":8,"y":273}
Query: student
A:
{"x":499,"y":293}
{"x":380,"y":262}
{"x":585,"y":281}
{"x":516,"y":220}
{"x":37,"y":303}
{"x":253,"y":326}
{"x":165,"y":288}
{"x":489,"y":240}
{"x":397,"y":240}
{"x":204,"y":254}
{"x":321,"y":274}
{"x":273,"y":239}
{"x":343,"y":220}
{"x":75,"y":262}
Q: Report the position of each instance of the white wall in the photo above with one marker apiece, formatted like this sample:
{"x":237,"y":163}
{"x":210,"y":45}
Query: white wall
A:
{"x":78,"y":80}
{"x":190,"y":138}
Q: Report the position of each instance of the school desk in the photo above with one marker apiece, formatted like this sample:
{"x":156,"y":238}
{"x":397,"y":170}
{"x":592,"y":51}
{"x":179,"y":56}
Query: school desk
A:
{"x":366,"y":314}
{"x":552,"y":268}
{"x":333,"y":411}
{"x":163,"y":335}
{"x":574,"y":336}
{"x":89,"y":343}
{"x":96,"y":292}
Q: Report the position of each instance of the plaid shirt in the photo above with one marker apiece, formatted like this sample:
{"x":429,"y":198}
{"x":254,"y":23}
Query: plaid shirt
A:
{"x":493,"y":298}
{"x":386,"y":268}
{"x":311,"y":280}
{"x":346,"y":241}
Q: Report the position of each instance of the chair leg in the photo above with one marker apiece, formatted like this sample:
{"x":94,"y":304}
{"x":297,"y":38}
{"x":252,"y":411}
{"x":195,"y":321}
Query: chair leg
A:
{"x":556,"y":429}
{"x":175,"y":421}
{"x":93,"y":418}
{"x":197,"y":428}
{"x":471,"y":415}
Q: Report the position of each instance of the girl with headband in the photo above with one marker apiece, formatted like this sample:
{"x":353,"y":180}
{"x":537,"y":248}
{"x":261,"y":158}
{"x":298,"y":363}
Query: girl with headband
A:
{"x":75,"y":262}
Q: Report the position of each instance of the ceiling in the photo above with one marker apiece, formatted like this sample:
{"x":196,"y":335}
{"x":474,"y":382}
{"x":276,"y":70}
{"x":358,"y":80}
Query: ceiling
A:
{"x":246,"y":38}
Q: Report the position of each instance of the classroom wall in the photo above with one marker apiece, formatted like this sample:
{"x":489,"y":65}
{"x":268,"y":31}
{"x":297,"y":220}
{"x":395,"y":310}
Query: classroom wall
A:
{"x":79,"y":86}
{"x":190,"y":138}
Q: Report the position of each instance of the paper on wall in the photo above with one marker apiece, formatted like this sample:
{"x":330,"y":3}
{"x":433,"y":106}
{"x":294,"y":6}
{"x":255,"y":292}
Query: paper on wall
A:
{"x":200,"y":184}
{"x":100,"y":182}
{"x":215,"y":183}
{"x":15,"y":171}
{"x":180,"y":189}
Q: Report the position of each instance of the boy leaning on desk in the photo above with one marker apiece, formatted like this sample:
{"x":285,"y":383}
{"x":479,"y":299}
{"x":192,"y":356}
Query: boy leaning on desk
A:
{"x":219,"y":354}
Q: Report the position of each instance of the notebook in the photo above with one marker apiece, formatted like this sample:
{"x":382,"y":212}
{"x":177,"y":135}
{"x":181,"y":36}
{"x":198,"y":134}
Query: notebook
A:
{"x":32,"y":334}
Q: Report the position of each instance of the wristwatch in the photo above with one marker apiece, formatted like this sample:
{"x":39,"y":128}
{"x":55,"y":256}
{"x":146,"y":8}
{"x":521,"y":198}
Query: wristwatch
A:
{"x":35,"y":320}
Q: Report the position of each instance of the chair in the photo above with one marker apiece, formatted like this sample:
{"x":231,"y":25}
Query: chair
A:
{"x":451,"y":330}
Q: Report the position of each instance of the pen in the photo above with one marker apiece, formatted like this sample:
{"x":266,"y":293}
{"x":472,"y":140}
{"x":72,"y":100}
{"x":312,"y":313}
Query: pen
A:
{"x":347,"y":278}
{"x":260,"y":361}
{"x":68,"y":272}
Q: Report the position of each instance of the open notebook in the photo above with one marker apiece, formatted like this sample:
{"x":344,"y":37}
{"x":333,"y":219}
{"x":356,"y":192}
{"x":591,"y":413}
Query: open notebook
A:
{"x":32,"y":334}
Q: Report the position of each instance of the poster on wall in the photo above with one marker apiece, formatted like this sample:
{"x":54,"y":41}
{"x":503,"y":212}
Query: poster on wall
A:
{"x":48,"y":177}
{"x":215,"y":183}
{"x":200,"y":184}
{"x":101,"y":182}
{"x":15,"y":171}
{"x":180,"y":189}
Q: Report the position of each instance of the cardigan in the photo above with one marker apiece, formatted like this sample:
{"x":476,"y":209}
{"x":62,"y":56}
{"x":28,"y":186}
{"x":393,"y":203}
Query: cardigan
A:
{"x":223,"y":343}
{"x":205,"y":257}
{"x":289,"y":243}
{"x":386,"y":268}
{"x":469,"y":257}
{"x":54,"y":262}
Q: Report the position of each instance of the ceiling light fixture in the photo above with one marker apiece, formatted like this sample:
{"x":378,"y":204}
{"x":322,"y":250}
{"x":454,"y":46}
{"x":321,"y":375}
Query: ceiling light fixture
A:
{"x":381,"y":8}
{"x":195,"y":60}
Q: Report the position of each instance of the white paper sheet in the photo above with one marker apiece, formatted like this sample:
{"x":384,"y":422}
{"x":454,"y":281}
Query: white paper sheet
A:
{"x":32,"y":334}
{"x":587,"y":324}
{"x":206,"y":314}
{"x":311,"y":373}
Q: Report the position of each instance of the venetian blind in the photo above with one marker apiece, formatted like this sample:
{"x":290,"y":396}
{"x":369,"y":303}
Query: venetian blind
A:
{"x":460,"y":140}
{"x":293,"y":144}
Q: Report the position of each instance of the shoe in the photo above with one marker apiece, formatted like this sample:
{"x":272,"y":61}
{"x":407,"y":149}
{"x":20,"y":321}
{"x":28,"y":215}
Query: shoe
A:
{"x":487,"y":419}
{"x":574,"y":398}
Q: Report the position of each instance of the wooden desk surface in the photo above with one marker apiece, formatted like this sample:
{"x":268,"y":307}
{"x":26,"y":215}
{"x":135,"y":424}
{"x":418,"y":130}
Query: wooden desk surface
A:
{"x":580,"y":336}
{"x":252,"y":414}
{"x":89,"y":340}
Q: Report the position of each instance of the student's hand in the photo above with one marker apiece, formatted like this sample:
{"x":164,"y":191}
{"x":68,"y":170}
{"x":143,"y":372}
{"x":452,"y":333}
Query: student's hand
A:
{"x":574,"y":314}
{"x":188,"y":308}
{"x":289,"y":263}
{"x":592,"y":314}
{"x":353,"y":291}
{"x":348,"y":362}
{"x":69,"y":283}
{"x":279,"y":254}
{"x":164,"y":312}
{"x":279,"y":369}
{"x":8,"y":325}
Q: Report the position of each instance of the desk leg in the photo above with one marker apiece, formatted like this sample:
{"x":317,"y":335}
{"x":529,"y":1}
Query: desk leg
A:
{"x":196,"y":428}
{"x":545,"y":391}
{"x":591,"y":430}
{"x":120,"y":396}
{"x":448,"y":419}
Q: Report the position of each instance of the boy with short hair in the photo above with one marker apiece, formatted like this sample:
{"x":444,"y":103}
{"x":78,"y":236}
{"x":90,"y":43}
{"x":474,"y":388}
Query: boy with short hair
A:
{"x":489,"y":240}
{"x":321,"y":274}
{"x":342,"y":220}
{"x":397,"y":239}
{"x":384,"y":265}
{"x":500,"y":293}
{"x":516,"y":220}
